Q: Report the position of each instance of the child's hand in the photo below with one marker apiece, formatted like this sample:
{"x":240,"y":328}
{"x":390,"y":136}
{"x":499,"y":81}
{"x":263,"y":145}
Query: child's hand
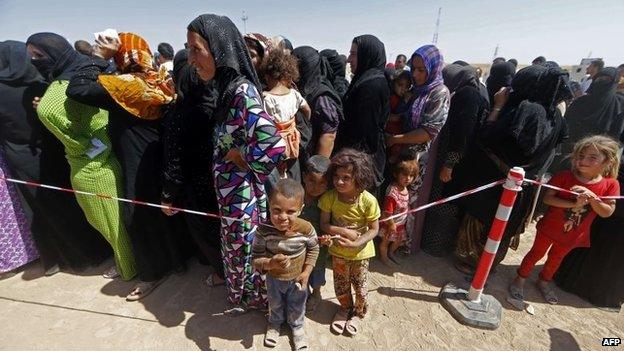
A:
{"x":344,"y":242}
{"x":235,"y":156}
{"x":351,"y":234}
{"x":392,"y":228}
{"x":279,"y":261}
{"x":302,"y":279}
{"x":325,"y":240}
{"x":586,"y":195}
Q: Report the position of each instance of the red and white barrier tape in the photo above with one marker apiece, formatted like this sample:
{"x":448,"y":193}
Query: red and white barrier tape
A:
{"x":213,"y":215}
{"x":545,"y":185}
{"x":450,"y":198}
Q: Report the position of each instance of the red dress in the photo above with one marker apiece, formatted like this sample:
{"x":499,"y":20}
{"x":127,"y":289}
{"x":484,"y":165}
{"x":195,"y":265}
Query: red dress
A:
{"x":395,"y":203}
{"x":570,"y":226}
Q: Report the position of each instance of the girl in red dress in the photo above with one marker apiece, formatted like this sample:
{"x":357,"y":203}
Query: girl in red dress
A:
{"x":566,"y":223}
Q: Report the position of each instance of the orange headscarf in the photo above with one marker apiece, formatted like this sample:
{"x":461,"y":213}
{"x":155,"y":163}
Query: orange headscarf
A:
{"x":140,"y":89}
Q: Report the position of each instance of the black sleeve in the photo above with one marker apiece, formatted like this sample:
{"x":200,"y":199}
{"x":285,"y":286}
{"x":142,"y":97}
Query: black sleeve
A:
{"x":370,"y":116}
{"x":463,"y":116}
{"x":172,"y":147}
{"x":84,"y":87}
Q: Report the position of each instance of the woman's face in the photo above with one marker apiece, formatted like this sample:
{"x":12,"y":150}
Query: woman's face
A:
{"x":256,"y":59}
{"x":353,"y":59}
{"x":419,"y":71}
{"x":34,"y":52}
{"x":200,"y":56}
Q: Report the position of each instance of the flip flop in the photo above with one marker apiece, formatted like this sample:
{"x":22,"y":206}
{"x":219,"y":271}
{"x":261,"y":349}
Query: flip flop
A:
{"x":300,"y":340}
{"x":271,"y":336}
{"x":515,"y":292}
{"x":549,"y":294}
{"x":340,"y":320}
{"x":111,"y":273}
{"x":353,"y":326}
{"x":143,"y":289}
{"x":210,"y":281}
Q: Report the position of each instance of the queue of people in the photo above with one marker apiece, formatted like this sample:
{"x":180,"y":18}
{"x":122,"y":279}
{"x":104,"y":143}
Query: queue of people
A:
{"x":302,"y":165}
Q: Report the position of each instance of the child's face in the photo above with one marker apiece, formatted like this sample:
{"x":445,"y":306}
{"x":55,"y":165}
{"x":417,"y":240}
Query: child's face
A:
{"x":590,"y":162}
{"x":401,"y":86}
{"x":408,"y":174}
{"x":315,"y":184}
{"x":343,"y":180}
{"x":284,"y":211}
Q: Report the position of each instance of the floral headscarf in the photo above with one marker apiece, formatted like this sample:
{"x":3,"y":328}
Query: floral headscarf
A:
{"x":140,"y":89}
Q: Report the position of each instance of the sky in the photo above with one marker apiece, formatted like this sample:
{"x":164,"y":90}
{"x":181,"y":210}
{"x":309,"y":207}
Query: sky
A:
{"x":563,"y":31}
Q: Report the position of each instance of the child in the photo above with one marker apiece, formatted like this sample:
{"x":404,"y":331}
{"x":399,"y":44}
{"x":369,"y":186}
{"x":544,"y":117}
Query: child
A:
{"x":287,"y":252}
{"x":399,"y":105}
{"x":315,"y":185}
{"x":350,"y":221}
{"x":566,"y":223}
{"x":392,"y":232}
{"x":282,"y":102}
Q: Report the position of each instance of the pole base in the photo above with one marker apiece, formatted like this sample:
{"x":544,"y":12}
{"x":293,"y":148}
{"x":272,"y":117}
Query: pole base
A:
{"x":485,"y":314}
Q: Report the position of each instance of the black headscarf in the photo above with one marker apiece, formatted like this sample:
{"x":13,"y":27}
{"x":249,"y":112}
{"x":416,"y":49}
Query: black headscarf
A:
{"x":371,"y":54}
{"x":601,"y":111}
{"x":190,"y":89}
{"x":228,"y":48}
{"x":501,"y":75}
{"x":15,"y":66}
{"x":61,"y":61}
{"x":338,"y":65}
{"x":545,"y":84}
{"x":457,"y":76}
{"x":312,"y":82}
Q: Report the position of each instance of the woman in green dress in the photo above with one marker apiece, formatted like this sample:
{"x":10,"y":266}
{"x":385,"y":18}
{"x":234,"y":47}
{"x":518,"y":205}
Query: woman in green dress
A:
{"x":83,"y":131}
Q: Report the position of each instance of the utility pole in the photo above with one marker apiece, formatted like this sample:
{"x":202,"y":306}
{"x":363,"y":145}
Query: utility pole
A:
{"x":245,"y":18}
{"x":435,"y":34}
{"x":495,"y":52}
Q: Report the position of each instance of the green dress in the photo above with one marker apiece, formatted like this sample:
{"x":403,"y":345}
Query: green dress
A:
{"x":83,"y":131}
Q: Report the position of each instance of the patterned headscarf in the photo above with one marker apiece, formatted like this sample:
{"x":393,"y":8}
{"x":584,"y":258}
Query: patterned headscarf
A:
{"x":434,"y":63}
{"x":262,"y":43}
{"x":140,"y":89}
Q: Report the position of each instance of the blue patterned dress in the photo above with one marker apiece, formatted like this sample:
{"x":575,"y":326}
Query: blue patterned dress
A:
{"x":240,"y":193}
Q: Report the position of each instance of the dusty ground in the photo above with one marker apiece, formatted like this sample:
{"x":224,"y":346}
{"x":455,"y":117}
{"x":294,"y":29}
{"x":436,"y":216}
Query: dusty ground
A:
{"x":86,"y":312}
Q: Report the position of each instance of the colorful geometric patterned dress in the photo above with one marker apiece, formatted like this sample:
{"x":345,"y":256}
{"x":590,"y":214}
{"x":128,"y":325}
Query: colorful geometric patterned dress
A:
{"x":17,"y":246}
{"x":83,"y":130}
{"x":240,"y":193}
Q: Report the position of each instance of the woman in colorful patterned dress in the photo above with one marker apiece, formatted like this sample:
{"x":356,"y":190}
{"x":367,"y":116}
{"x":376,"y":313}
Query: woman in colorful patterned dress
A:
{"x":247,"y":148}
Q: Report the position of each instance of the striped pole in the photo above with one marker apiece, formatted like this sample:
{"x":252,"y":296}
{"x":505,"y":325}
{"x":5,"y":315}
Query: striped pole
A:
{"x":512,"y":186}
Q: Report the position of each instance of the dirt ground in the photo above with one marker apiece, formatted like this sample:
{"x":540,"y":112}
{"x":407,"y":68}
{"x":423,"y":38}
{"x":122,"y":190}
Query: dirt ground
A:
{"x":86,"y":312}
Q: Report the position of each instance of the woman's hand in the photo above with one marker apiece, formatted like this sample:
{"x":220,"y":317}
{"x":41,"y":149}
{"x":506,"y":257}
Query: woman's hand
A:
{"x":106,"y":47}
{"x":390,"y":140}
{"x":168,"y":211}
{"x":35,"y":102}
{"x":501,"y":97}
{"x":236,"y":157}
{"x":446,"y":174}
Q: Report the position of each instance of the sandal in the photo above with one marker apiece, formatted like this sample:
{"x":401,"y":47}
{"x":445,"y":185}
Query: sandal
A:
{"x":111,"y":273}
{"x":210,"y":281}
{"x":143,"y":289}
{"x":313,"y":302}
{"x":271,"y":336}
{"x":52,"y":270}
{"x":548,"y":293}
{"x":516,"y":292}
{"x":353,"y":326}
{"x":300,"y":340}
{"x":339,"y":322}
